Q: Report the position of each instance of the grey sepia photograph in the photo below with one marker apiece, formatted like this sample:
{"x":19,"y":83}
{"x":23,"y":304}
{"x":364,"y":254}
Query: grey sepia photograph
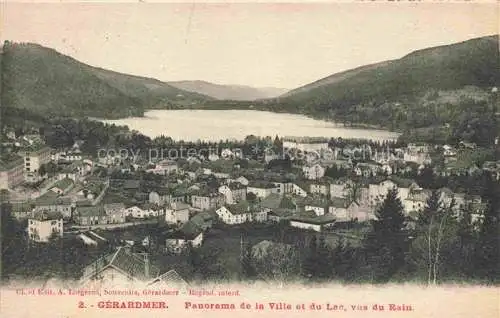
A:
{"x":183,"y":144}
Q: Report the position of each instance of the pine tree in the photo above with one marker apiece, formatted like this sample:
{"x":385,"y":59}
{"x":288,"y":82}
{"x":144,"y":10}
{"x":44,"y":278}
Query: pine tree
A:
{"x":310,"y":264}
{"x":487,"y":247}
{"x":324,"y":260}
{"x":387,"y":243}
{"x":425,"y":224}
{"x":466,"y":238}
{"x":340,"y":259}
{"x":434,"y":234}
{"x":247,"y":265}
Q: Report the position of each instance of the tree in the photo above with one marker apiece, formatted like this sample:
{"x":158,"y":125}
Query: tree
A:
{"x":466,"y":236}
{"x":310,"y":267}
{"x":487,"y":252}
{"x":344,"y":260}
{"x":435,"y":234}
{"x":280,"y":264}
{"x":354,"y":192}
{"x":425,"y":224}
{"x":251,"y":197}
{"x":386,"y":244}
{"x":324,"y":260}
{"x":247,"y":263}
{"x":43,"y":170}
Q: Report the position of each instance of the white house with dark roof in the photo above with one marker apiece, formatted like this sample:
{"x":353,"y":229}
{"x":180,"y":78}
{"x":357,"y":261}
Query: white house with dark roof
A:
{"x":233,"y":192}
{"x":241,"y":213}
{"x":144,"y":211}
{"x":262,"y":189}
{"x":340,"y":188}
{"x":43,"y":225}
{"x":338,"y":207}
{"x":91,"y":215}
{"x":310,"y":221}
{"x":206,"y":200}
{"x":314,"y":171}
{"x":115,"y":212}
{"x":165,"y":167}
{"x":367,"y":169}
{"x":51,"y":201}
{"x":359,"y":212}
{"x":319,"y":188}
{"x":177,"y":213}
{"x":318,"y":206}
{"x":416,"y":200}
{"x":188,"y":234}
{"x":298,"y":190}
{"x":379,"y":190}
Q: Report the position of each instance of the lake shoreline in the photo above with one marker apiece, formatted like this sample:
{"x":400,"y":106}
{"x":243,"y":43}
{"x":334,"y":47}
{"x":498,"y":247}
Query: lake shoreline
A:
{"x":353,"y":125}
{"x":210,"y":125}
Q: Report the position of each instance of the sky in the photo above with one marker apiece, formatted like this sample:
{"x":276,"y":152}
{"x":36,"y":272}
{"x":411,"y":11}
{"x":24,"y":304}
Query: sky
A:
{"x":260,"y":45}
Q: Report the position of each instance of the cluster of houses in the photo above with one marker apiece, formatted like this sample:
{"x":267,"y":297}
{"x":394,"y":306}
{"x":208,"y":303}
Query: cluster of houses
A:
{"x":191,"y":200}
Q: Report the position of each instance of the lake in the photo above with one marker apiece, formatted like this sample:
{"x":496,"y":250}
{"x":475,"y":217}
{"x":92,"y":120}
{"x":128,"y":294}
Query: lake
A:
{"x":215,"y":125}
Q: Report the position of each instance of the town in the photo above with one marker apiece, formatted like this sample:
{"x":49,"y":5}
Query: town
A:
{"x":229,"y":213}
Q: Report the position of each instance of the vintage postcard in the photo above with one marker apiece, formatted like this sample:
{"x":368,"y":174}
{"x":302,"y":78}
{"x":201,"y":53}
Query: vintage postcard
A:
{"x":188,"y":159}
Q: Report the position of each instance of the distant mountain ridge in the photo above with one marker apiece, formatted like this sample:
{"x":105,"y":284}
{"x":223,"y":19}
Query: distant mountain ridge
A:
{"x":437,"y":93}
{"x":397,"y":94}
{"x":472,"y":62}
{"x":41,"y":80}
{"x":229,"y":92}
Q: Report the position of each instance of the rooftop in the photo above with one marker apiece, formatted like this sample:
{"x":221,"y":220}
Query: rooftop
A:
{"x":402,"y":182}
{"x":52,"y":198}
{"x":177,"y":206}
{"x":114,"y":207}
{"x":149,"y":206}
{"x":125,"y":261}
{"x":261,"y":184}
{"x":316,"y":201}
{"x":35,"y":148}
{"x":47,"y":216}
{"x":131,"y":184}
{"x":283,"y":213}
{"x":275,"y":201}
{"x":170,"y":278}
{"x":200,"y":218}
{"x":317,"y":220}
{"x":22,"y":207}
{"x":338,"y":202}
{"x":242,"y":207}
{"x":236,"y":186}
{"x":419,"y":195}
{"x":63,"y":184}
{"x":85,"y":211}
{"x":189,"y":231}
